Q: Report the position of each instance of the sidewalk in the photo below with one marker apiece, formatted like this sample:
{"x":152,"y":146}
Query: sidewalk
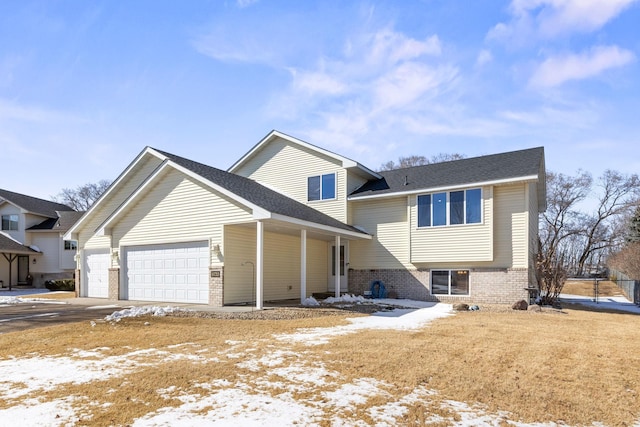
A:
{"x":604,"y":303}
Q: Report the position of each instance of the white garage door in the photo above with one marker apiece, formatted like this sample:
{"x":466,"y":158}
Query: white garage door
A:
{"x":96,"y":273}
{"x":170,"y":273}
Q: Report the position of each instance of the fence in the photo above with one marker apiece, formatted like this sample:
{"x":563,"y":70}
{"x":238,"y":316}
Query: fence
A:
{"x":630,"y":287}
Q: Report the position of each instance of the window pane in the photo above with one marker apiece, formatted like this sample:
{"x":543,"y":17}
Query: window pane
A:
{"x":440,"y":209}
{"x":329,"y":186}
{"x":456,"y":207}
{"x":313,"y":188}
{"x":439,"y":282}
{"x":424,"y":211}
{"x":474,"y":206}
{"x":10,"y":222}
{"x":460,"y":282}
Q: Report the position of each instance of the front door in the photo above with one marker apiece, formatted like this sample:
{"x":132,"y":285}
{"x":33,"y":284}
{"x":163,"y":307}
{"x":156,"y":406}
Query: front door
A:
{"x":23,"y":269}
{"x":344,"y":256}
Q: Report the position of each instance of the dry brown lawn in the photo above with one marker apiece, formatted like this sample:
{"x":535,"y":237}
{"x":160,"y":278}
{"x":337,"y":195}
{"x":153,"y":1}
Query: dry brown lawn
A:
{"x":576,"y":366}
{"x":53,"y":295}
{"x":606,"y":288}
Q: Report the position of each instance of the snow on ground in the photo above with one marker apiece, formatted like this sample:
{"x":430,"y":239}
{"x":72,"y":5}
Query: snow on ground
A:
{"x":142,"y":311}
{"x":266,"y":399}
{"x":17,"y":296}
{"x":612,"y":303}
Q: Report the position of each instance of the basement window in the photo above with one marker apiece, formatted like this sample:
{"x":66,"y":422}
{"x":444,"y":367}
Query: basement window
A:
{"x":450,"y":282}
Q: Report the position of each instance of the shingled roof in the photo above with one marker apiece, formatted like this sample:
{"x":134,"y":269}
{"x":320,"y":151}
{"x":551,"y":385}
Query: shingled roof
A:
{"x":259,"y":195}
{"x":9,"y":245}
{"x":33,"y":204}
{"x":61,"y":224}
{"x":492,"y":168}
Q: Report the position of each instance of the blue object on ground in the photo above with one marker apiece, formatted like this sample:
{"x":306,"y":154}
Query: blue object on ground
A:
{"x":378,"y":289}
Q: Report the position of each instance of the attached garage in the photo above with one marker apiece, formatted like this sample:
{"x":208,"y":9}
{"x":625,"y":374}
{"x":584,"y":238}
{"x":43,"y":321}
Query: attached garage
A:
{"x":96,"y":273}
{"x":176,"y":272}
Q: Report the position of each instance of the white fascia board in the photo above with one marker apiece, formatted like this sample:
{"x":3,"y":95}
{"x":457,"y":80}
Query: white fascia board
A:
{"x":346,"y":162}
{"x":313,"y":225}
{"x":529,"y":178}
{"x":74,"y":229}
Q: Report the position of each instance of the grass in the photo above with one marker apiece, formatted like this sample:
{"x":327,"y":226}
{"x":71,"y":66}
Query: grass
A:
{"x":577,"y":366}
{"x":606,"y":288}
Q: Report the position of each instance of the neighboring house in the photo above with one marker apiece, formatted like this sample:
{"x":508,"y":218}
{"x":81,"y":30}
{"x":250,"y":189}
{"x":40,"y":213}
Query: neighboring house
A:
{"x":172,"y":229}
{"x":31,"y":240}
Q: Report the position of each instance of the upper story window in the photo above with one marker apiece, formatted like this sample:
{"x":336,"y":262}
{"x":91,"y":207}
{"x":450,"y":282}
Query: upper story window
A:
{"x":10,"y":222}
{"x":450,"y":208}
{"x":321,"y":187}
{"x":70,"y":245}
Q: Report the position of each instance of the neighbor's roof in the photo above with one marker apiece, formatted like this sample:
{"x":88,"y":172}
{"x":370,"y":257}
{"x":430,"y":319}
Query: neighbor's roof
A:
{"x":33,"y":204}
{"x":259,"y":195}
{"x":495,"y":168}
{"x":9,"y":245}
{"x":60,"y":224}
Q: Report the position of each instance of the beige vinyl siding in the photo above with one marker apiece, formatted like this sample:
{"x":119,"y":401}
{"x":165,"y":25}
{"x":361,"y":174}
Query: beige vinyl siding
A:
{"x":281,"y":265}
{"x":86,"y":237}
{"x":353,"y":183}
{"x":532,"y":238}
{"x":178,"y":209}
{"x":454,"y":244}
{"x":386,"y":220}
{"x":49,"y":261}
{"x":286,"y":166}
{"x":19,"y":234}
{"x":512,"y":226}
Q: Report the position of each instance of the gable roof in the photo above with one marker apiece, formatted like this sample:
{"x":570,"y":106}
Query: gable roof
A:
{"x":9,"y":245}
{"x":33,"y":204}
{"x":274,"y":134}
{"x":61,"y":224}
{"x":259,"y":195}
{"x":522,"y":165}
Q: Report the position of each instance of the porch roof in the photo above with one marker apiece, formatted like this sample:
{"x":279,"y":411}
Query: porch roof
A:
{"x":11,"y":246}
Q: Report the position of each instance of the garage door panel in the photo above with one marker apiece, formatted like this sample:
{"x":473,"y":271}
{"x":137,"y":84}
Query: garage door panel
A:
{"x":169,"y":273}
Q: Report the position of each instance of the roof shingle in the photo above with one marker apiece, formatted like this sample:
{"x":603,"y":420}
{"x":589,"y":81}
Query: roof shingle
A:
{"x":495,"y":167}
{"x":33,"y":204}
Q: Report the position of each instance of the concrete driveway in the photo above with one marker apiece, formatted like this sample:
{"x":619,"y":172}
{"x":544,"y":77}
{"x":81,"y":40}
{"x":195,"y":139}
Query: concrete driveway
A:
{"x":21,"y":310}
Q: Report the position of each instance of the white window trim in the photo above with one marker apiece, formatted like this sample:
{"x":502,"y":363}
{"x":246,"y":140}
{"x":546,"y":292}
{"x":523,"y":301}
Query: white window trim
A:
{"x":8,"y":216}
{"x":449,"y":294}
{"x":335,"y":187}
{"x":64,"y":245}
{"x":448,"y":209}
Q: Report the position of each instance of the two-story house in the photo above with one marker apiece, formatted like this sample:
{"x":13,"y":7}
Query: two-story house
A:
{"x":290,"y":219}
{"x":31,"y":240}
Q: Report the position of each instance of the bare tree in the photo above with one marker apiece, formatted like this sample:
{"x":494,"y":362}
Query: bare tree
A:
{"x":619,"y":193}
{"x":410,"y":161}
{"x":82,"y":197}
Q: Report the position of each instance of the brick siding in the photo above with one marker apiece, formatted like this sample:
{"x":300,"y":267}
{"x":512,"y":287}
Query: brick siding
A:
{"x":495,"y":286}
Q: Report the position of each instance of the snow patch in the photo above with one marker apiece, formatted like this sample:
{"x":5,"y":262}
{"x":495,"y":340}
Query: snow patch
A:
{"x":142,"y":311}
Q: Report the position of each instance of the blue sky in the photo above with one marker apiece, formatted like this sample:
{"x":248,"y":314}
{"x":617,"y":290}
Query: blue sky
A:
{"x":86,"y":85}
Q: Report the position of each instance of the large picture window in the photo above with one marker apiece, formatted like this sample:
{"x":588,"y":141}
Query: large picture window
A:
{"x":10,"y":222}
{"x":321,"y":187}
{"x":450,"y":282}
{"x":452,"y":208}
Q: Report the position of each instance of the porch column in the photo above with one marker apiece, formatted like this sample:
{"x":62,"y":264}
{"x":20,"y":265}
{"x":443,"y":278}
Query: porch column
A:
{"x":259,"y":263}
{"x":337,"y":264}
{"x":303,"y":265}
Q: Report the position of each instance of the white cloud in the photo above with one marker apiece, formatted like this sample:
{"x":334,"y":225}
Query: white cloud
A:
{"x":245,"y":3}
{"x":484,"y":57}
{"x":547,"y":19}
{"x":556,"y":70}
{"x":370,"y":86}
